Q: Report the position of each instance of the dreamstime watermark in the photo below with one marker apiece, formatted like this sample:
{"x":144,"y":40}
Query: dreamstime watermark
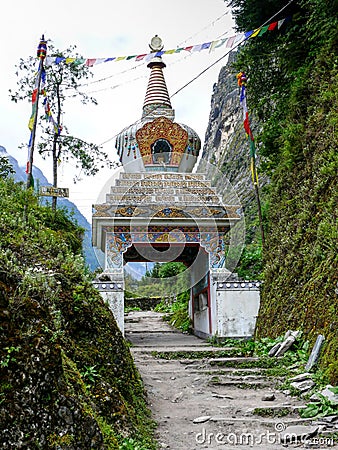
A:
{"x":279,"y":436}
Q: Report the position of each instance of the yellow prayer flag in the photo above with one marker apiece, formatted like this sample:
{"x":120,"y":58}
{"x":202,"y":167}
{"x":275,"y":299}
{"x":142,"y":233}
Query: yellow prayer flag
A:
{"x":255,"y":33}
{"x":31,"y":123}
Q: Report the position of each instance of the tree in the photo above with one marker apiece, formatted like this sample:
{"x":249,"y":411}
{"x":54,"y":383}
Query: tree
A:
{"x":6,"y":168}
{"x":61,"y":82}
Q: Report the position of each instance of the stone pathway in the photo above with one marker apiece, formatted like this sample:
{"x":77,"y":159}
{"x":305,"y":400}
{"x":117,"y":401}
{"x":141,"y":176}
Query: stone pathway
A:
{"x":207,"y":403}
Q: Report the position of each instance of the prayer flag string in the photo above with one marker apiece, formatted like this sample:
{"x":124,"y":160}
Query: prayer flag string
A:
{"x":242,"y":81}
{"x":230,"y":42}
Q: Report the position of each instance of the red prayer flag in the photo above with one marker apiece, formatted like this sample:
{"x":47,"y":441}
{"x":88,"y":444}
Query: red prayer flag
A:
{"x":140,"y":57}
{"x":90,"y":62}
{"x":272,"y":26}
{"x":247,"y":126}
{"x":34,"y":95}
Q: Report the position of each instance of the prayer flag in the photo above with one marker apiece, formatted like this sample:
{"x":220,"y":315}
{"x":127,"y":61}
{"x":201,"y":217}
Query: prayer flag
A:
{"x":140,"y":57}
{"x":79,"y":61}
{"x":255,"y":33}
{"x":263,"y":30}
{"x":239,"y":37}
{"x":149,"y":56}
{"x":280,"y":23}
{"x":197,"y":48}
{"x":31,"y":123}
{"x":213,"y":45}
{"x":34,"y":95}
{"x":231,"y":41}
{"x":90,"y":62}
{"x":272,"y":26}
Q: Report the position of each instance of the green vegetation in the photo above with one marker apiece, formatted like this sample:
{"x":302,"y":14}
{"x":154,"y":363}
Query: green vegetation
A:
{"x":271,"y":412}
{"x":324,"y":407}
{"x":66,"y":372}
{"x":177,"y":312}
{"x":171,"y":281}
{"x":292,"y":91}
{"x":6,"y":168}
{"x":164,"y":279}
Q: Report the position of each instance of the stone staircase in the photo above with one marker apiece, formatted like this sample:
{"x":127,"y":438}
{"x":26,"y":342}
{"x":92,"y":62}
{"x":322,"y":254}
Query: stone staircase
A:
{"x":209,"y":400}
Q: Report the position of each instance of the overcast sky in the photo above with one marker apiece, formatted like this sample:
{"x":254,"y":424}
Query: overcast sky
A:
{"x":102,"y":29}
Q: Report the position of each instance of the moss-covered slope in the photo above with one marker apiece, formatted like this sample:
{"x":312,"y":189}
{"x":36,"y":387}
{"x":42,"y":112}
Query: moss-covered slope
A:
{"x":292,"y":99}
{"x":292,"y":90}
{"x":67,"y":377}
{"x":301,"y":258}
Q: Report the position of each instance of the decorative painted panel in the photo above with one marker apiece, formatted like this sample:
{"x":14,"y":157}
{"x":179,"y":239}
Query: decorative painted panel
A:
{"x":122,"y":238}
{"x":162,"y":128}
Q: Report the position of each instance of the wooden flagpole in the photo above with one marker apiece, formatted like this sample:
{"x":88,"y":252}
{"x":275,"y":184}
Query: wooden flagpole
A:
{"x":41,"y":53}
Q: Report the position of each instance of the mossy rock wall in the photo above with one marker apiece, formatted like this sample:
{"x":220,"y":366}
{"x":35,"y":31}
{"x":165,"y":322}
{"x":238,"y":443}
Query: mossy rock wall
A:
{"x":298,"y":144}
{"x":68,"y":380}
{"x":301,"y":258}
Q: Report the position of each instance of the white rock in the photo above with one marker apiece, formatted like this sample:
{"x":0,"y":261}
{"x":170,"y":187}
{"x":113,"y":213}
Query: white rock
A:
{"x":201,"y":419}
{"x":333,"y":398}
{"x":303,"y":386}
{"x":301,"y":377}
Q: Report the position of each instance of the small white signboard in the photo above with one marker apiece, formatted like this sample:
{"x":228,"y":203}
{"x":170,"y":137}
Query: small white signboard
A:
{"x":49,"y":191}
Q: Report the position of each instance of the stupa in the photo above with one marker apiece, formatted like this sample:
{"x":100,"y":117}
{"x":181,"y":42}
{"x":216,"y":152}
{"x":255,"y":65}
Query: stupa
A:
{"x":158,"y":210}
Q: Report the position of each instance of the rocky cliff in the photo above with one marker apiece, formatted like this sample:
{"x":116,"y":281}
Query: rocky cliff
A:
{"x":226,"y":151}
{"x":226,"y":146}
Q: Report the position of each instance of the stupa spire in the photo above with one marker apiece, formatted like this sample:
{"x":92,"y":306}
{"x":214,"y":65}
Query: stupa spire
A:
{"x":157,"y":96}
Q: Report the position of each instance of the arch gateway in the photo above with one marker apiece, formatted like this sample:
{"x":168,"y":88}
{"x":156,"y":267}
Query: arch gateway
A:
{"x":158,"y":210}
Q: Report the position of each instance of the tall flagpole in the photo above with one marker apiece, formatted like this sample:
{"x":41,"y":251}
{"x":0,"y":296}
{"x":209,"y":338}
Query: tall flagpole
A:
{"x":41,"y":54}
{"x":255,"y":183}
{"x":242,"y":79}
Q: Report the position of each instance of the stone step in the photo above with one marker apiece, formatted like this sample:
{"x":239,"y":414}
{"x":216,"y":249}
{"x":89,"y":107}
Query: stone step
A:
{"x":232,"y":360}
{"x":243,"y":378}
{"x":276,"y":410}
{"x":241,"y":383}
{"x":183,"y":350}
{"x":260,"y":421}
{"x":198,"y":370}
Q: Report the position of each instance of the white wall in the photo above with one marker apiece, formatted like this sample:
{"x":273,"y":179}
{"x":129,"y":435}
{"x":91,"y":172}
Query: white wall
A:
{"x":115,"y":301}
{"x":237,"y":312}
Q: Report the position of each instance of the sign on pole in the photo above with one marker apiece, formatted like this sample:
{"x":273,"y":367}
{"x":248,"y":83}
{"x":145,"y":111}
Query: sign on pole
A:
{"x":49,"y":191}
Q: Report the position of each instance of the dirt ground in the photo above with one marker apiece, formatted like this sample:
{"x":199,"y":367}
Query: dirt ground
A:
{"x":199,"y":403}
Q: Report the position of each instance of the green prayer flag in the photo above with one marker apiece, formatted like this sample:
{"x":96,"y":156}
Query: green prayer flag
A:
{"x":252,"y":148}
{"x":263,"y":30}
